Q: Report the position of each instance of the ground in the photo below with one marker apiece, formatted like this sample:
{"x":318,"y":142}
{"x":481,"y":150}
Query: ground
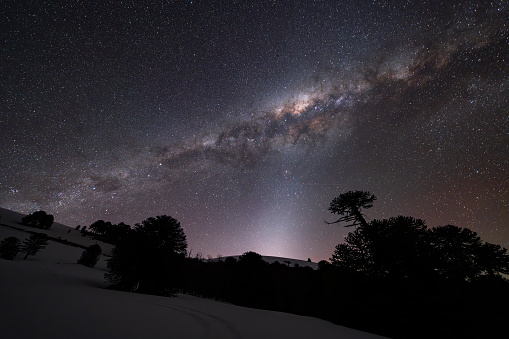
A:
{"x":50,"y":296}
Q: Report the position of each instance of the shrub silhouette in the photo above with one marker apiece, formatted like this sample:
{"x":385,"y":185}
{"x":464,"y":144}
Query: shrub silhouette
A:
{"x":9,"y":248}
{"x":39,"y":219}
{"x":90,"y":256}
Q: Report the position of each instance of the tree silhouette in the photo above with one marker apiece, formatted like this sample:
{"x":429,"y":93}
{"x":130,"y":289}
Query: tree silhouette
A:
{"x":460,"y":254}
{"x":403,"y":247}
{"x":90,"y":256}
{"x":116,"y":232}
{"x":324,"y":265}
{"x":354,"y":254}
{"x":251,"y":259}
{"x":100,"y":227}
{"x":148,"y":258}
{"x":107,"y":232}
{"x":166,"y":232}
{"x":9,"y":248}
{"x":349,"y":205}
{"x":399,"y":247}
{"x":395,"y":247}
{"x":32,"y":245}
{"x":492,"y":260}
{"x":251,"y":280}
{"x":39,"y":219}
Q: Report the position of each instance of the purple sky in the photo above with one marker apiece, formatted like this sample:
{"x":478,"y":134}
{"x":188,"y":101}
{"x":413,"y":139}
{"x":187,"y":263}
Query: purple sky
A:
{"x":244,"y":120}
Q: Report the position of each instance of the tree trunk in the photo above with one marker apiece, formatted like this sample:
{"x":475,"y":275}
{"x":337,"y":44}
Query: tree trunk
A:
{"x":359,"y":217}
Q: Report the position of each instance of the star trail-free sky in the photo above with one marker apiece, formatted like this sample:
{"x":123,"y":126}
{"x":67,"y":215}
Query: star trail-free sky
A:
{"x":244,"y":119}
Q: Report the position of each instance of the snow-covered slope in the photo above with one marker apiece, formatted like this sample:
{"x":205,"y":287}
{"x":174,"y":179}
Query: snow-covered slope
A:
{"x":57,"y":231}
{"x":283,"y":261}
{"x":50,"y":296}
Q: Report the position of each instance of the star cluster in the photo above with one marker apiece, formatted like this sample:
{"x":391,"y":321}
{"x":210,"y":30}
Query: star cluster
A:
{"x":243,"y":120}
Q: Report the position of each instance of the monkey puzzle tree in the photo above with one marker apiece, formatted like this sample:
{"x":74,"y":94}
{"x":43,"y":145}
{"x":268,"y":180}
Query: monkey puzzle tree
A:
{"x":32,"y":245}
{"x":148,"y":258}
{"x":394,"y":247}
{"x":404,"y":248}
{"x":460,"y":254}
{"x":349,"y":205}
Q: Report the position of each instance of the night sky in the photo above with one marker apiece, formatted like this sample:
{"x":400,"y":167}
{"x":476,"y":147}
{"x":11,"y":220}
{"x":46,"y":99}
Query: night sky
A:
{"x":244,"y":119}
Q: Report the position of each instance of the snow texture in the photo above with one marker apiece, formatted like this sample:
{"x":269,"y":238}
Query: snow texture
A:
{"x":50,"y":296}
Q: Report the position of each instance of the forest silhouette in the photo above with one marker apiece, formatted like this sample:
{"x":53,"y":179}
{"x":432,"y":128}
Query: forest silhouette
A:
{"x":394,"y":277}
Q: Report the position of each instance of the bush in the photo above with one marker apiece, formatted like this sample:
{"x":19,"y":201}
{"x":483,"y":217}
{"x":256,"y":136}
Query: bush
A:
{"x":90,"y":256}
{"x":9,"y":248}
{"x":39,"y":219}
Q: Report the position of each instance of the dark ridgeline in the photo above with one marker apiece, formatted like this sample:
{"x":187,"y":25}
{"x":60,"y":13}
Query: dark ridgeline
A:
{"x":393,"y":277}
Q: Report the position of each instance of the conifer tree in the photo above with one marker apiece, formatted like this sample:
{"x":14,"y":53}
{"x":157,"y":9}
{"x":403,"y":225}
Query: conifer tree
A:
{"x":349,"y":205}
{"x":148,"y":258}
{"x":32,"y":245}
{"x":39,"y":219}
{"x":90,"y":256}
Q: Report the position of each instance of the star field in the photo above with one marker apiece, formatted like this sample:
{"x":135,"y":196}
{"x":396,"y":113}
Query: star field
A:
{"x":243,"y":120}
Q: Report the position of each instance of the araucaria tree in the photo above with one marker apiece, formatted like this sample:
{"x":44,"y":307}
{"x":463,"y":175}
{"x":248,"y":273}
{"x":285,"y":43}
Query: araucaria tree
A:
{"x":32,"y":245}
{"x":394,"y":247}
{"x":349,"y":205}
{"x":403,"y":247}
{"x":460,"y":254}
{"x":148,"y":258}
{"x":39,"y":219}
{"x":9,"y":248}
{"x":90,"y":256}
{"x":108,"y":232}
